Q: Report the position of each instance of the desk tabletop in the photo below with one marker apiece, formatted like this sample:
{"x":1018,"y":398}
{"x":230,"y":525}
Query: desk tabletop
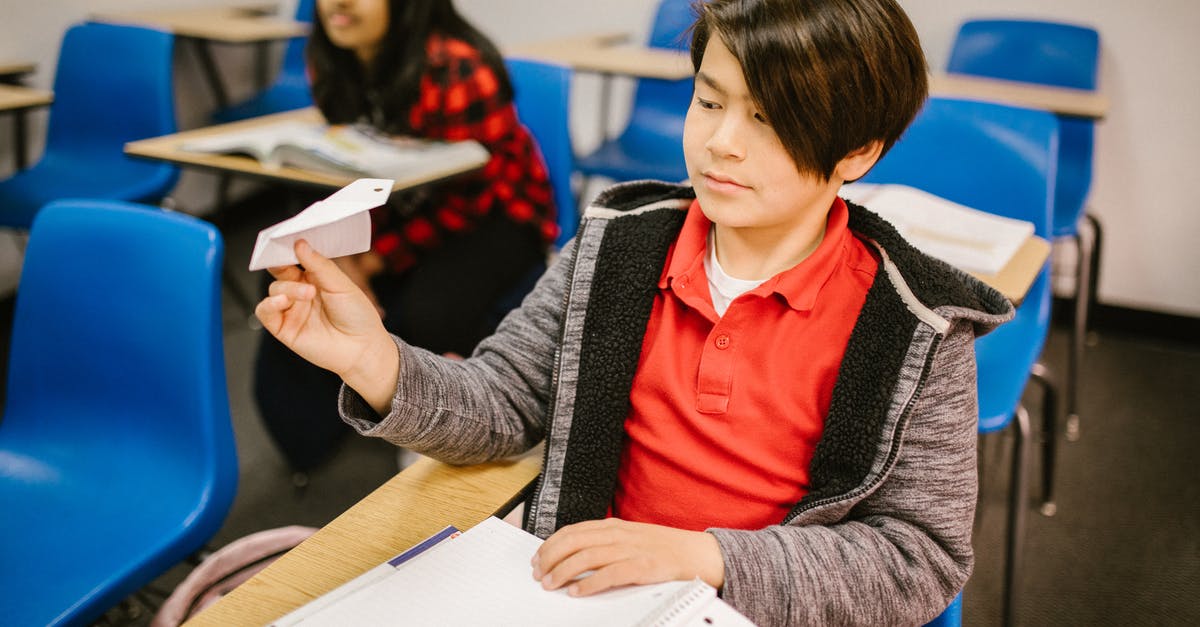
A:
{"x":1016,"y":277}
{"x":16,"y":97}
{"x":410,"y":507}
{"x":1061,"y":100}
{"x":167,"y":148}
{"x":608,"y":53}
{"x":16,"y":68}
{"x":231,"y":24}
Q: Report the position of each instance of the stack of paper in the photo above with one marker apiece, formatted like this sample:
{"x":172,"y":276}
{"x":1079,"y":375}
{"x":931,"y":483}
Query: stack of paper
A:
{"x":972,"y":240}
{"x":483,"y":577}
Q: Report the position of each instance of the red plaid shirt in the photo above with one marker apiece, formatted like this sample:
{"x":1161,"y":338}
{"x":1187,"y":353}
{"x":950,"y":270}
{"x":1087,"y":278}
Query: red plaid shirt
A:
{"x":461,"y":99}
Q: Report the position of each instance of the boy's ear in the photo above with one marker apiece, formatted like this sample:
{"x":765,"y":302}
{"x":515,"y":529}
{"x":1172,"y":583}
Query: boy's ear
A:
{"x":854,"y":165}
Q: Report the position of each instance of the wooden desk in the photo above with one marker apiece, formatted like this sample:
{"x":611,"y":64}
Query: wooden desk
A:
{"x":11,"y":72}
{"x":18,"y":100}
{"x":167,"y":148}
{"x":410,"y":507}
{"x":1015,"y":279}
{"x":1060,"y":100}
{"x":255,"y":24}
{"x":609,"y":54}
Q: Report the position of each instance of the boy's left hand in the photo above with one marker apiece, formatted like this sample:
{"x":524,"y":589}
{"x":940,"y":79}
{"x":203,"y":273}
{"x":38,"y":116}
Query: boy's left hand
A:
{"x":621,"y":553}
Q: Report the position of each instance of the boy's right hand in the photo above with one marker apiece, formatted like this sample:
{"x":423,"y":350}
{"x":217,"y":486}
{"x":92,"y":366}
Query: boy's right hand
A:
{"x":321,"y":315}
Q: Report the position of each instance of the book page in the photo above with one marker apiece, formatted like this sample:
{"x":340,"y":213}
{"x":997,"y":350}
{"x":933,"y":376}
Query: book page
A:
{"x":483,"y":577}
{"x":342,"y":150}
{"x":969,"y":239}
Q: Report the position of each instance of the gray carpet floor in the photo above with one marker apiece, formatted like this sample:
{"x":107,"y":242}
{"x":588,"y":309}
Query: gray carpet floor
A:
{"x":1123,"y":548}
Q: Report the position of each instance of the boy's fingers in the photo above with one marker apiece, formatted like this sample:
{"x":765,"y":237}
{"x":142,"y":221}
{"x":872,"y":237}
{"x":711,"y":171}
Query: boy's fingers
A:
{"x":286,"y":273}
{"x":269,"y":311}
{"x":294,"y":290}
{"x":322,"y":271}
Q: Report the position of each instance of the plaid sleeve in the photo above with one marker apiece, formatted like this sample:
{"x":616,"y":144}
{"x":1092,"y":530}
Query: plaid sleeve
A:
{"x":460,"y":99}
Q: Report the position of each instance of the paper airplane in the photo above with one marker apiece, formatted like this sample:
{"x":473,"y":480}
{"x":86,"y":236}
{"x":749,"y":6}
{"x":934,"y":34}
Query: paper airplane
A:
{"x":337,"y":226}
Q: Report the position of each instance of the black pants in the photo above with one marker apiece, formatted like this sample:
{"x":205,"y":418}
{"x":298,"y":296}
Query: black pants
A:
{"x":453,"y":298}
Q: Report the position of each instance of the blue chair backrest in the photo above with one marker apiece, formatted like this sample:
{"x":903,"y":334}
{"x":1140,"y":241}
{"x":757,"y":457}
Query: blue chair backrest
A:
{"x":991,"y":157}
{"x":116,"y":425}
{"x":659,"y":106}
{"x":113,"y":84}
{"x":1048,"y":53}
{"x":294,"y":65}
{"x":118,"y":319}
{"x":542,"y":98}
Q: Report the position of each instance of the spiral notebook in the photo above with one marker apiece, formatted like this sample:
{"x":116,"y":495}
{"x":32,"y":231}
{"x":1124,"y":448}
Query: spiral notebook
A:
{"x":482,"y":577}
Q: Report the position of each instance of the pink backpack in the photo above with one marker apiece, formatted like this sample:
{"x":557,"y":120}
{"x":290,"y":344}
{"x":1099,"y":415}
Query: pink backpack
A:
{"x":225,"y":569}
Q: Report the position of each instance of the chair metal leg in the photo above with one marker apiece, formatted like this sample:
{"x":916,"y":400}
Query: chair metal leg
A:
{"x":1042,"y":375}
{"x":1084,"y":295}
{"x":1016,"y":516}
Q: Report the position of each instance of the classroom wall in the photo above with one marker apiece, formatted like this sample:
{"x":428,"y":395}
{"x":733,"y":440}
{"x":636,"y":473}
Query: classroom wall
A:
{"x":1150,"y":260}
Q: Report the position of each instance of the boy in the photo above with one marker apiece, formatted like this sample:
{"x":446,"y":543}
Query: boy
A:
{"x":744,"y":379}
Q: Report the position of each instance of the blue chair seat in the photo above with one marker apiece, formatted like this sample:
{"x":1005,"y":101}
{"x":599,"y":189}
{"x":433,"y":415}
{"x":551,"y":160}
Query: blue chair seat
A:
{"x":67,"y":175}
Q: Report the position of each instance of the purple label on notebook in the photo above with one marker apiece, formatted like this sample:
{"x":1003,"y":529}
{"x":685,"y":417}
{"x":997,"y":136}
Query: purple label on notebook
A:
{"x":424,"y":545}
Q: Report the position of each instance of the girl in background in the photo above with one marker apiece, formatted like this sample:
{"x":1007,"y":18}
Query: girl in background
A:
{"x":448,"y":259}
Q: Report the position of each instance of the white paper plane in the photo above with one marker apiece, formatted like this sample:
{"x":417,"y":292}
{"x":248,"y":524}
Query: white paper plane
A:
{"x":337,"y":226}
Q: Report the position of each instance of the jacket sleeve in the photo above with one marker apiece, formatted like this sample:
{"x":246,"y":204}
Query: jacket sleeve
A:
{"x":898,"y":556}
{"x":489,"y":406}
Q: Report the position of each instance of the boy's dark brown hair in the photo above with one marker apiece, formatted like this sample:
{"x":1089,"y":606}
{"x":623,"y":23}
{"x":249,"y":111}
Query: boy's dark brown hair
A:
{"x":829,"y":75}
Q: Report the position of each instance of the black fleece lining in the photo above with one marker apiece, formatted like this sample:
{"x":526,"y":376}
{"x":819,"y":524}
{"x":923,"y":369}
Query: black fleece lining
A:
{"x":628,"y":265}
{"x":628,"y":196}
{"x":857,"y":411}
{"x":942,"y":284}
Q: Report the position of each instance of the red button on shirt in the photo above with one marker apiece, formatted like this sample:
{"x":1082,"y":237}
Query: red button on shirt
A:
{"x":727,"y":411}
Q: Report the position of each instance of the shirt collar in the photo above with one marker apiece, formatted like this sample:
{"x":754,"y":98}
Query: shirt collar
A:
{"x":799,"y":285}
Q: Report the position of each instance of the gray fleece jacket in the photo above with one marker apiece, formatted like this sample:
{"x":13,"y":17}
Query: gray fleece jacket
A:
{"x":884,"y":535}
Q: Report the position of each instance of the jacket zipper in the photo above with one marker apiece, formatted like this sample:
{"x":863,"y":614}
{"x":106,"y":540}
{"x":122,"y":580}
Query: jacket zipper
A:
{"x":893,"y":451}
{"x":535,"y":494}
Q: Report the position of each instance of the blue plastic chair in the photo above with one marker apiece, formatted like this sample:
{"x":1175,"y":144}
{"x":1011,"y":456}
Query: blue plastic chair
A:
{"x":290,"y":90}
{"x":113,"y":85}
{"x":1061,"y":55}
{"x":543,"y":94}
{"x":1001,"y":160}
{"x":651,"y":145}
{"x":117,"y":456}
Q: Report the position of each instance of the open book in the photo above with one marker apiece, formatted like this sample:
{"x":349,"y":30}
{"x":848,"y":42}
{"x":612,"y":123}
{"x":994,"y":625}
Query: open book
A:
{"x":341,"y":150}
{"x":483,"y":577}
{"x":969,"y":239}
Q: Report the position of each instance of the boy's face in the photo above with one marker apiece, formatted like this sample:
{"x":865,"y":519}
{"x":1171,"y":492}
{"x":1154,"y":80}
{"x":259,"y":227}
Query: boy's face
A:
{"x":742,"y":174}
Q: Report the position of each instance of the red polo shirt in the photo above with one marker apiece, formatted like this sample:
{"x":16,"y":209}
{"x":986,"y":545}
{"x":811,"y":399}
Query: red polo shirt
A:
{"x":727,"y":411}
